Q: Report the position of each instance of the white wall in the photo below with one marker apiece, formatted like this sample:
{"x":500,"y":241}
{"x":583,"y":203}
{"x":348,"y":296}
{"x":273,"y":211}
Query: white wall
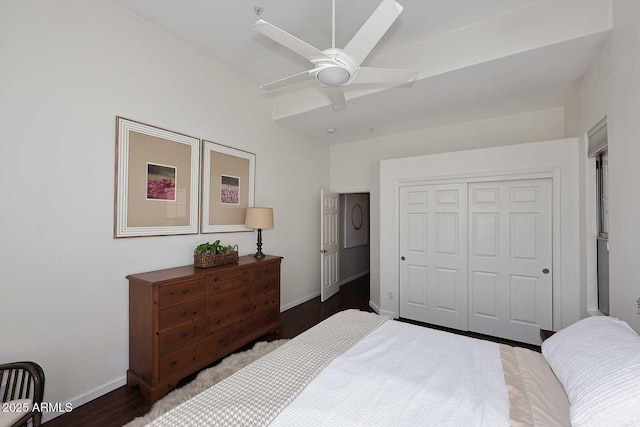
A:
{"x":589,"y":103}
{"x":355,"y":166}
{"x":611,"y":87}
{"x":624,"y":158}
{"x":559,"y":156}
{"x":69,"y":68}
{"x":351,"y":163}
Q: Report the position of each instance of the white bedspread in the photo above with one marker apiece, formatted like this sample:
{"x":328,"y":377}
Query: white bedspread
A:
{"x":406,"y":375}
{"x":256,"y":394}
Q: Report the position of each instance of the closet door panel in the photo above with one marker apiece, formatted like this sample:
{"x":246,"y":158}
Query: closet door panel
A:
{"x":510,"y":242}
{"x":433,"y":241}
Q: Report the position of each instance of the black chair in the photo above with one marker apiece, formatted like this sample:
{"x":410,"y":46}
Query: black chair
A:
{"x":23,"y":380}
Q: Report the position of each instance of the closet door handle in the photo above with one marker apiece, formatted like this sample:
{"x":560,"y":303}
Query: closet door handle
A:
{"x":402,"y":258}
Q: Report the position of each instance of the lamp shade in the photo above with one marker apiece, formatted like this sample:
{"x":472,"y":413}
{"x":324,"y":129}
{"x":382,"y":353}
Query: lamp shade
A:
{"x":261,"y":218}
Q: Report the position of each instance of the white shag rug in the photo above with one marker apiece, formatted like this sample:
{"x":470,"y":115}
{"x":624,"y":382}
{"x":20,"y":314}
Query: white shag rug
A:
{"x":206,"y":379}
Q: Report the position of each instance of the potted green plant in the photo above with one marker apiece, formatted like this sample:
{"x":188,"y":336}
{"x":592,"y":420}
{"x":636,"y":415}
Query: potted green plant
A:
{"x":213,"y":254}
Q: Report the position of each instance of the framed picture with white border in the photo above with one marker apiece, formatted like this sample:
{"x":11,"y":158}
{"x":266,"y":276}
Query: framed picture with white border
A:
{"x":228,"y":176}
{"x":157,"y":181}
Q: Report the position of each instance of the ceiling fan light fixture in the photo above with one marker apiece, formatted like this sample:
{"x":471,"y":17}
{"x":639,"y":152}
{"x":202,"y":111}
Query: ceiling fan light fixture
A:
{"x":333,"y":76}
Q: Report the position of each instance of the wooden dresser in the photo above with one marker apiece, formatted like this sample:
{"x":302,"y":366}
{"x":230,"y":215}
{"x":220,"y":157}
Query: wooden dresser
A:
{"x":183,"y":319}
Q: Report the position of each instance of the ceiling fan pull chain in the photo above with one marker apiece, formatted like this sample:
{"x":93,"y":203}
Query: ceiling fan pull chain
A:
{"x":333,"y":23}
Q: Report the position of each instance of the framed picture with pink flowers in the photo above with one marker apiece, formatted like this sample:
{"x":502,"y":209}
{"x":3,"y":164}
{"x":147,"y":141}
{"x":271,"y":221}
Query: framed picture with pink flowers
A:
{"x":228,"y":176}
{"x":157,"y":185}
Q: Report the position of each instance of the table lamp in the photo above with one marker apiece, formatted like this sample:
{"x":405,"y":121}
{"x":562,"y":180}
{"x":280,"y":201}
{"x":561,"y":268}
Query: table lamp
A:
{"x":262,"y":219}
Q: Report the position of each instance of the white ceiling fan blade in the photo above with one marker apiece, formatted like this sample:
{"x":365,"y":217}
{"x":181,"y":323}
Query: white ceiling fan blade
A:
{"x":289,"y":41}
{"x":373,"y":30}
{"x":296,"y":78}
{"x":383,"y":75}
{"x":336,"y":96}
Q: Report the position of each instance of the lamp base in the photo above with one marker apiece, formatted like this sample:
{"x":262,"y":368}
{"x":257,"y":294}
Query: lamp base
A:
{"x":259,"y":254}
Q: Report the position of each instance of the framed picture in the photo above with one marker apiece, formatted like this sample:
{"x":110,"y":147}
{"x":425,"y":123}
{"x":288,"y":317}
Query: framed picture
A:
{"x":157,"y":181}
{"x":228,"y":178}
{"x":356,"y":220}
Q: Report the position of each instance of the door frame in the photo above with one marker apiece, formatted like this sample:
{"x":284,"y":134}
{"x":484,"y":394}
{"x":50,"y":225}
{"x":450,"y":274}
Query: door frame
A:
{"x":505,"y":175}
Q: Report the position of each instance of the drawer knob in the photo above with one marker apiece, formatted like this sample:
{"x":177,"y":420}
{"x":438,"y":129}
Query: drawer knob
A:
{"x":173,"y":363}
{"x":184,"y":334}
{"x":217,"y":322}
{"x":244,"y":294}
{"x":246,"y":310}
{"x":184,"y":291}
{"x":184,"y":313}
{"x":221,"y":341}
{"x":217,"y":302}
{"x":266,"y":286}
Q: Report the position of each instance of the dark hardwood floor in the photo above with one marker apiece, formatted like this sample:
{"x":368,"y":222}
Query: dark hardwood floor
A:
{"x":124,"y":404}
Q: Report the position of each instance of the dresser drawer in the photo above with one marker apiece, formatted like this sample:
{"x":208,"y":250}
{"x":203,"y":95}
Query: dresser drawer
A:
{"x":267,"y":270}
{"x":215,"y":342}
{"x":180,"y":336}
{"x":229,"y":316}
{"x":181,"y":313}
{"x":177,"y":361}
{"x":230,"y":284}
{"x":267,"y":301}
{"x":264,"y":318}
{"x":200,"y":350}
{"x":230,"y":274}
{"x":222,"y":300}
{"x":265,"y":286}
{"x":174,"y":294}
{"x":242,"y":329}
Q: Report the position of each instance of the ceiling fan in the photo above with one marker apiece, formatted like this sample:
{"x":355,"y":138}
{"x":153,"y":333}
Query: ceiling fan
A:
{"x":335,"y":67}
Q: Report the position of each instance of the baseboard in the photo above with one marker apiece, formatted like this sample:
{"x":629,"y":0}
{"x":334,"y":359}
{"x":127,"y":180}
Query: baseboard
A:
{"x":315,"y":294}
{"x":387,"y":313}
{"x":299,"y":301}
{"x":87,"y":397}
{"x":374,"y":306}
{"x":354,"y":277}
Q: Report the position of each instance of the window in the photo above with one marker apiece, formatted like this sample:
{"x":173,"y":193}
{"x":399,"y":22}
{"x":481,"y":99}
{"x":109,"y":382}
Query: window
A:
{"x":598,"y":148}
{"x":603,"y":193}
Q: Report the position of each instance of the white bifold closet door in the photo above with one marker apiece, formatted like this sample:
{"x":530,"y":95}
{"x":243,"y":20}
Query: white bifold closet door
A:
{"x":477,"y":256}
{"x":510,"y":258}
{"x":433,"y":250}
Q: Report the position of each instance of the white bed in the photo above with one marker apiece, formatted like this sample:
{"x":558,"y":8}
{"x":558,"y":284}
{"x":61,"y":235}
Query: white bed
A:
{"x":387,"y":379}
{"x":360,"y":369}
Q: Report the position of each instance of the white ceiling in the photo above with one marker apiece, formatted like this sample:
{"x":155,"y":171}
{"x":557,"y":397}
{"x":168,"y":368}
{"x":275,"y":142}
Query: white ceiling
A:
{"x":535,"y":78}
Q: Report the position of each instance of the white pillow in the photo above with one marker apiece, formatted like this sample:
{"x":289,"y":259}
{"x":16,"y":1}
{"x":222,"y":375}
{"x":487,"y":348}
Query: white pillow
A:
{"x":597,"y":360}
